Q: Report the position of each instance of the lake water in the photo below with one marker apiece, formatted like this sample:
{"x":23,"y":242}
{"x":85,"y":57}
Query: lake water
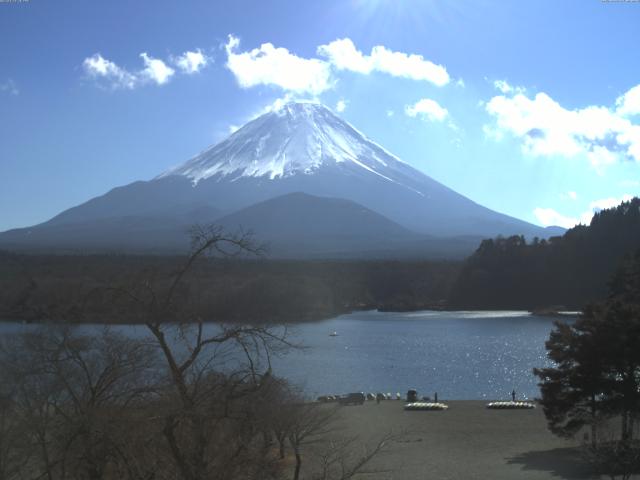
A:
{"x":460,"y":355}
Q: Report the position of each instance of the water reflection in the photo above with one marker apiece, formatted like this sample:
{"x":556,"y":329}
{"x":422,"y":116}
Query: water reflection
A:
{"x":460,"y":355}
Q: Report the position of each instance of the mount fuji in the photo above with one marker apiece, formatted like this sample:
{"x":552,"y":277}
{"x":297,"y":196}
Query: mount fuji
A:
{"x":299,"y":162}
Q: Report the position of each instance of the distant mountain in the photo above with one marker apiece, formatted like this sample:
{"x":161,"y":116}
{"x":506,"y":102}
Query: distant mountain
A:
{"x":553,"y":232}
{"x":294,"y":225}
{"x":299,"y":215}
{"x":302,"y":147}
{"x":298,"y":225}
{"x":151,"y":232}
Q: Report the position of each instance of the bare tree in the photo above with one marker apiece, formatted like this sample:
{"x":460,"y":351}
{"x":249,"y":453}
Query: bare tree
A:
{"x":314,"y":431}
{"x":310,"y":423}
{"x":13,"y":455}
{"x":69,"y":394}
{"x":215,"y":370}
{"x":102,"y":406}
{"x":344,"y":458}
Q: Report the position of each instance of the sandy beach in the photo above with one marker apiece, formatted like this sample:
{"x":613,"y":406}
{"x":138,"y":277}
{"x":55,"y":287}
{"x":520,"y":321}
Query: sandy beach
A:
{"x":467,"y":441}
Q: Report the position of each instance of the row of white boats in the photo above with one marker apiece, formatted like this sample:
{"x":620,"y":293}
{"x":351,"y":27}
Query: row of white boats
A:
{"x":510,"y":405}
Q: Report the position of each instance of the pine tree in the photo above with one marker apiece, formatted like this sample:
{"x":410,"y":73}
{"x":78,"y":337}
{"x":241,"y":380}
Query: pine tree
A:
{"x":597,"y":362}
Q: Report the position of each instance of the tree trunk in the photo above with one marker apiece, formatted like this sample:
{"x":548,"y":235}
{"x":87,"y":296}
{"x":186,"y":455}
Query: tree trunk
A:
{"x":593,"y":422}
{"x":296,"y":473}
{"x":266,"y":439}
{"x":179,"y":458}
{"x":45,"y":455}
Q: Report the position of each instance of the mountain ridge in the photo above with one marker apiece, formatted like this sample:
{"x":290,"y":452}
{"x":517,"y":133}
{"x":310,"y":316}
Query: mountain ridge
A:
{"x":298,"y":137}
{"x":302,"y":147}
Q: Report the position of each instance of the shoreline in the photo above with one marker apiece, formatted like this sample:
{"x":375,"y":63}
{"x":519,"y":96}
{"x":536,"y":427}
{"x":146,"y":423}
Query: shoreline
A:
{"x":467,"y":441}
{"x":317,"y":318}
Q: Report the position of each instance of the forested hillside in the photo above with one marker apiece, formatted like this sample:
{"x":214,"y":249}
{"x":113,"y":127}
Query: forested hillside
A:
{"x":80,"y":288}
{"x":567,"y":271}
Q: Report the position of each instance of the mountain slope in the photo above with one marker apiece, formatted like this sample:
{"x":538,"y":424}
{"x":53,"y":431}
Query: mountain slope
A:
{"x":295,"y":226}
{"x":302,"y":147}
{"x":299,"y":225}
{"x":299,"y":214}
{"x":163,"y":232}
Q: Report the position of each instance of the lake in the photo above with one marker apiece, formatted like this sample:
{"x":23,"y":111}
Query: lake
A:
{"x":460,"y":355}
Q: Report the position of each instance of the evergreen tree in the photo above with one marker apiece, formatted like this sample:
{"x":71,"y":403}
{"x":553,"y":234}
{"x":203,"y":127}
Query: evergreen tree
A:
{"x":597,"y":363}
{"x":572,"y":391}
{"x":567,"y":271}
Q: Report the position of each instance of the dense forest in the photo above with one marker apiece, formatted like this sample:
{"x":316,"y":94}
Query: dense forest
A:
{"x":80,"y":288}
{"x":567,"y":271}
{"x":564,"y":272}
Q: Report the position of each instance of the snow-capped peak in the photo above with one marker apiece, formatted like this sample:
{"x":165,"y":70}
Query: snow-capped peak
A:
{"x":297,"y":138}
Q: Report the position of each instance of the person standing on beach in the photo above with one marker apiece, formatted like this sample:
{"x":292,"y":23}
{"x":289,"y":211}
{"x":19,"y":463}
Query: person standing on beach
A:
{"x":513,"y":395}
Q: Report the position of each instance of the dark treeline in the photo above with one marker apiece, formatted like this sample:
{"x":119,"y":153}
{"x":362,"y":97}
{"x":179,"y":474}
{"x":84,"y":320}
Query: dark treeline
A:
{"x":40,"y":287}
{"x":567,"y":271}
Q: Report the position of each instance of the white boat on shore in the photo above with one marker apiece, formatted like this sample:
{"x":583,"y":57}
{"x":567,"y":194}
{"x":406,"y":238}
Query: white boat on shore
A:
{"x":511,"y":405}
{"x":425,"y":406}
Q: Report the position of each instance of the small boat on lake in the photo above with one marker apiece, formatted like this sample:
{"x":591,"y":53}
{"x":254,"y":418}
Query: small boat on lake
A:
{"x":333,"y":334}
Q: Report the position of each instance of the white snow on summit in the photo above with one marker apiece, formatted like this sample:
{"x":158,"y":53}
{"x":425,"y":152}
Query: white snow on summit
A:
{"x":298,"y":138}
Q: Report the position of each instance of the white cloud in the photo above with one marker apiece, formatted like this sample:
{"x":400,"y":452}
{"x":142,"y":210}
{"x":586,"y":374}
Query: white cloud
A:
{"x":191,"y":62}
{"x":600,"y":157}
{"x":630,"y":136}
{"x":268,"y":65}
{"x":502,"y":85}
{"x":427,"y":108}
{"x":344,"y":55}
{"x":275,"y":105}
{"x":97,"y":66}
{"x":156,"y":70}
{"x":390,"y":113}
{"x":549,"y":217}
{"x":505,"y":87}
{"x":547,"y":128}
{"x":629,"y":103}
{"x":10,"y":87}
{"x":604,"y":204}
{"x":341,"y":105}
{"x":570,"y":195}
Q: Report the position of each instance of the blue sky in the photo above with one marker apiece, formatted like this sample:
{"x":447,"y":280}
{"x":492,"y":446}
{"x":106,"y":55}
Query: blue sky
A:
{"x":529,"y":108}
